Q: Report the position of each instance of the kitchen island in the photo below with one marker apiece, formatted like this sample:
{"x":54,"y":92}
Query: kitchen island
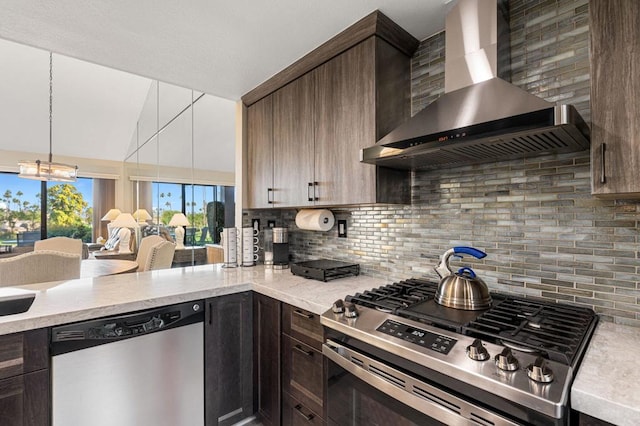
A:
{"x":607,"y":385}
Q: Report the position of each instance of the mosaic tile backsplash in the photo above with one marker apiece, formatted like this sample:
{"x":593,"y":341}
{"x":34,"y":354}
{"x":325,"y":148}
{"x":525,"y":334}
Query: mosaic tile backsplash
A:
{"x":545,"y":235}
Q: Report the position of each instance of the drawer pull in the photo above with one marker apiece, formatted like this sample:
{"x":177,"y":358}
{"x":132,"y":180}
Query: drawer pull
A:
{"x":302,"y":350}
{"x":303,"y":314}
{"x":307,"y":417}
{"x":603,"y":174}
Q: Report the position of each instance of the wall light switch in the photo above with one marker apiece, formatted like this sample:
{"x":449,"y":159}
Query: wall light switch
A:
{"x":342,"y":228}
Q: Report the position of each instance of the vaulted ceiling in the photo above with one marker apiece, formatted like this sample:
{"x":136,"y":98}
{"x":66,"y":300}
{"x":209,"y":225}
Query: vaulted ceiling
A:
{"x":222,"y":48}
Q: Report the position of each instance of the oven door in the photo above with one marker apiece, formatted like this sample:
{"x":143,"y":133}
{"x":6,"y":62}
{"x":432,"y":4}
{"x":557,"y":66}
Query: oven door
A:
{"x":364,"y":391}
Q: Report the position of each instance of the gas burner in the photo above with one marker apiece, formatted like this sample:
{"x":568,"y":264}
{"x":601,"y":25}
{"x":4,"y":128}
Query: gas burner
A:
{"x":552,"y":330}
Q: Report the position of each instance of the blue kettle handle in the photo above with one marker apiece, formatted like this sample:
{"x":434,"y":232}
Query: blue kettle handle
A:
{"x":468,"y":270}
{"x":478,"y":254}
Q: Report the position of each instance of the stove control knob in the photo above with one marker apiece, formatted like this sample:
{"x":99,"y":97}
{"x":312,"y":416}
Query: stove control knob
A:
{"x":338,"y":306}
{"x":539,"y":371}
{"x":350,"y":310}
{"x":477,"y":352}
{"x":506,"y":361}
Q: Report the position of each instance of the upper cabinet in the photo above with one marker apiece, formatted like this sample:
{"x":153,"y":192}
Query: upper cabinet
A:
{"x":615,"y":98}
{"x":339,"y":104}
{"x":260,"y":153}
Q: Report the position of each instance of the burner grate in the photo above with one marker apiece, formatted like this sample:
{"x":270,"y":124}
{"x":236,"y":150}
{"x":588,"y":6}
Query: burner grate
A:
{"x":390,"y":298}
{"x":554,"y":330}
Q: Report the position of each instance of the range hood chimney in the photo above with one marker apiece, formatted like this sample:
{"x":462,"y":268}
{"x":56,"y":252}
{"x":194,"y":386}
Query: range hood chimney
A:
{"x":480,"y":117}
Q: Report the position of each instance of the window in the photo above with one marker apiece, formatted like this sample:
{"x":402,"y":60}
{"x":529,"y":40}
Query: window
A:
{"x":69,"y":209}
{"x":204,"y":205}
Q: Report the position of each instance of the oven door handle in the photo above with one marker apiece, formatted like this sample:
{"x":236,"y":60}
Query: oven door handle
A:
{"x":418,"y":395}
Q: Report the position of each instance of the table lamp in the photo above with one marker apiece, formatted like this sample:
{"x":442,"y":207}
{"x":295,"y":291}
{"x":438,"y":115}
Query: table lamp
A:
{"x":141,"y":216}
{"x":111,"y":215}
{"x":179,"y":220}
{"x":124,"y":221}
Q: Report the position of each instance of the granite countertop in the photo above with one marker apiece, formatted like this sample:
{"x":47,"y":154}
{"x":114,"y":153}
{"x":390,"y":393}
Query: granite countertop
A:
{"x":607,"y":385}
{"x":64,"y":302}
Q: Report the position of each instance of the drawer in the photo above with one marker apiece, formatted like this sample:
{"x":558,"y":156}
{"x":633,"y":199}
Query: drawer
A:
{"x":296,"y":414}
{"x":23,"y":352}
{"x":302,"y":325}
{"x":302,"y":373}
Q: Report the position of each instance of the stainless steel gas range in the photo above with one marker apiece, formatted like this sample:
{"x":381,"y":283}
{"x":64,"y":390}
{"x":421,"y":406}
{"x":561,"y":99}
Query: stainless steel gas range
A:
{"x":397,"y":357}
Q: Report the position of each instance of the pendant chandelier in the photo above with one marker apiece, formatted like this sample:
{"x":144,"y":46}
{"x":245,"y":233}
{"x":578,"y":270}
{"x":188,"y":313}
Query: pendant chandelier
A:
{"x":48,"y":170}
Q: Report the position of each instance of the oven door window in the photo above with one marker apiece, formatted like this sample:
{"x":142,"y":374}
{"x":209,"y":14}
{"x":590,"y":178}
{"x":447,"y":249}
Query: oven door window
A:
{"x":352,"y":402}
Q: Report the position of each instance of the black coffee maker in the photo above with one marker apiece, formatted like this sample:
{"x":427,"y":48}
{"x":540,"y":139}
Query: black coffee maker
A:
{"x":280,"y":248}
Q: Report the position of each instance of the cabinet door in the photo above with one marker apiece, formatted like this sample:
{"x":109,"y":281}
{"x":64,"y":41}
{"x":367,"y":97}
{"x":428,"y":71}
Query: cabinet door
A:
{"x":24,"y":379}
{"x":260,"y":154}
{"x":228,"y":359}
{"x":266,"y":315}
{"x":293,"y":143}
{"x":24,"y":399}
{"x":345,"y":123}
{"x":615,"y":97}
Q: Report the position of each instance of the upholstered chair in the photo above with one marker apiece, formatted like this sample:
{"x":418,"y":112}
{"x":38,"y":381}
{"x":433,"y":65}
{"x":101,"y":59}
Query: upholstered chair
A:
{"x":155,"y":253}
{"x":39,"y":266}
{"x":62,"y":244}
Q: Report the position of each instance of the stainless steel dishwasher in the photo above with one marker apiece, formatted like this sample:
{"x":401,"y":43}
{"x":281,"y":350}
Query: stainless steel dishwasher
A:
{"x":144,"y":368}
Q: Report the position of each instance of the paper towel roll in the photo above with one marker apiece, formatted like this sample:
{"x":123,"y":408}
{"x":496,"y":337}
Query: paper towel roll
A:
{"x":315,"y":219}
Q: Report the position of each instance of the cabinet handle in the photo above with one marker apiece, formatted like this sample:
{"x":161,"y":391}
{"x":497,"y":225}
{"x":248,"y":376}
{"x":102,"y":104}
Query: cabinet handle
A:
{"x":269,"y":195}
{"x":603,"y":175}
{"x":309,"y":196}
{"x":303,"y":314}
{"x":302,"y":350}
{"x":307,"y":417}
{"x":315,"y":196}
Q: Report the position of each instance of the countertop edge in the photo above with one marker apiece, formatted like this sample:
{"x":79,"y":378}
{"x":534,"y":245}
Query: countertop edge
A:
{"x":607,"y":385}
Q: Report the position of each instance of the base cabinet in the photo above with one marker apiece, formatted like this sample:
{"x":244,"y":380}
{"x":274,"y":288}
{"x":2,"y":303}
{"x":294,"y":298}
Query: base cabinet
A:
{"x":302,"y":367}
{"x":266,"y":316}
{"x":290,"y":387}
{"x":228,"y":359}
{"x":24,"y":379}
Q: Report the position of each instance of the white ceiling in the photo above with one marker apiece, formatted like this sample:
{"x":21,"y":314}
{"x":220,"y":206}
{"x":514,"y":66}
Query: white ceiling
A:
{"x":223,"y":48}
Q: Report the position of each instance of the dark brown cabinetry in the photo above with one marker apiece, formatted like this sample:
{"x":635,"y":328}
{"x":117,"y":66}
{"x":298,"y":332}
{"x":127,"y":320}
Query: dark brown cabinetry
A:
{"x":24,"y":379}
{"x":615,"y":97}
{"x":289,"y":364}
{"x":266,"y":316}
{"x":293,"y":143}
{"x":228,"y":359}
{"x":260,"y":153}
{"x":321,"y":119}
{"x":302,"y":367}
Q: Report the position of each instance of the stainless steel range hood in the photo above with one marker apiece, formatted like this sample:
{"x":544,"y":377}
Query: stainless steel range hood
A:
{"x":481,"y":117}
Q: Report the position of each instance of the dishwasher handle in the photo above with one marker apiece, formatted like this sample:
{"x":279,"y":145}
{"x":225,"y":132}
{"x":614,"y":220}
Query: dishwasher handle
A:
{"x":82,"y":335}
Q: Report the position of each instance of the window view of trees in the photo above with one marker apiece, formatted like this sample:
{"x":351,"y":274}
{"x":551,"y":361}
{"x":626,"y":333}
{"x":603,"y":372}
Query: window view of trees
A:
{"x":202,"y":204}
{"x":69,"y":212}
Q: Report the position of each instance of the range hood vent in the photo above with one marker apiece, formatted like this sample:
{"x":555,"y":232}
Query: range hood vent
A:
{"x":481,"y":117}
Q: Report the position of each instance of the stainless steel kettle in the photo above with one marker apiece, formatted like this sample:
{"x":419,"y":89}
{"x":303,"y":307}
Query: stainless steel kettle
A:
{"x":462,"y":289}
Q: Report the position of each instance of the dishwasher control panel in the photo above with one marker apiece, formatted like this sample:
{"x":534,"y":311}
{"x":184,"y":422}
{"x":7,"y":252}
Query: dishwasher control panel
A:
{"x":70,"y":337}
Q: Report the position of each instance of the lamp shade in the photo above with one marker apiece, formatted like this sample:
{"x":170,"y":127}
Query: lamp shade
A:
{"x":179,"y":219}
{"x":111,"y":215}
{"x":124,"y":220}
{"x":141,"y":215}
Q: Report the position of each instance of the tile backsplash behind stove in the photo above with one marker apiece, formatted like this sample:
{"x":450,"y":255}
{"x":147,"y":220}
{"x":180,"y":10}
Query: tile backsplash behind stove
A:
{"x":544,"y":233}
